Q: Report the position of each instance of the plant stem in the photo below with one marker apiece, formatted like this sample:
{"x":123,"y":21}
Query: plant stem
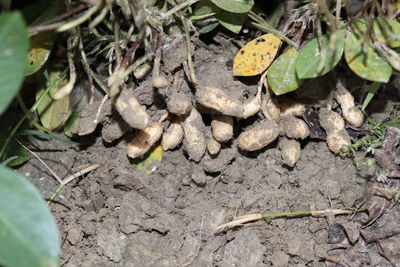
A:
{"x":267,"y":28}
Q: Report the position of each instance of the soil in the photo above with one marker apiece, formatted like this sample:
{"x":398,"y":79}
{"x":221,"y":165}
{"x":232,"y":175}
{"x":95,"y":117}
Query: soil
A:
{"x":120,"y":216}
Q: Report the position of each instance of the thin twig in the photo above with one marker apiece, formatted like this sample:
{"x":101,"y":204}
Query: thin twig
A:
{"x":50,"y":170}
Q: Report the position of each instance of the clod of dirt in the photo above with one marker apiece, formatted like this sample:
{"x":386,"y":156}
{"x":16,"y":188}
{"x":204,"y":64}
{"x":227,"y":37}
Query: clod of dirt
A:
{"x":259,"y":136}
{"x":90,"y":117}
{"x":140,"y":213}
{"x":388,"y":156}
{"x":174,"y":54}
{"x":148,"y":248}
{"x":194,"y":140}
{"x":113,"y":129}
{"x":245,"y":250}
{"x":131,"y":110}
{"x":110,"y":239}
{"x":213,"y":164}
{"x":179,"y":103}
{"x":391,"y":249}
{"x":199,"y":178}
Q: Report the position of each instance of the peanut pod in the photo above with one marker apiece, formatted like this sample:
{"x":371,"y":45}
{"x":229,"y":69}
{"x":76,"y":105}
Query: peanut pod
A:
{"x":131,"y":111}
{"x":293,"y":127}
{"x":258,"y":136}
{"x":144,"y":140}
{"x":222,"y":127}
{"x":290,"y":150}
{"x":217,"y":100}
{"x":194,"y":140}
{"x":173,"y":136}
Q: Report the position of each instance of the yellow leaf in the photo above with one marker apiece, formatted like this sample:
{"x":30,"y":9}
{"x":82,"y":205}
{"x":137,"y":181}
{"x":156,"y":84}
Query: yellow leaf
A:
{"x":256,"y":55}
{"x":149,"y":163}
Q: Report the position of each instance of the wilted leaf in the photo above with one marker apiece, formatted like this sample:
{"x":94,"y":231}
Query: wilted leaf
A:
{"x":42,"y":43}
{"x":311,"y":56}
{"x":53,"y":113}
{"x":369,"y":65}
{"x":234,"y":6}
{"x":151,"y":159}
{"x":256,"y":55}
{"x":29,"y":235}
{"x":13,"y":48}
{"x":14,"y":149}
{"x":282,"y":74}
{"x":387,"y":31}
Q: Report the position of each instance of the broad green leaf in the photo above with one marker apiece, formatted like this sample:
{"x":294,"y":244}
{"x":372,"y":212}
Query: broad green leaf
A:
{"x":314,"y":62}
{"x":234,"y":6}
{"x":28,"y":232}
{"x":368,"y":65}
{"x":14,"y":45}
{"x":68,"y":125}
{"x":13,"y":149}
{"x":387,"y":31}
{"x":42,"y":43}
{"x":53,"y":113}
{"x":281,"y":74}
{"x":203,"y":9}
{"x":231,"y":21}
{"x":150,"y":160}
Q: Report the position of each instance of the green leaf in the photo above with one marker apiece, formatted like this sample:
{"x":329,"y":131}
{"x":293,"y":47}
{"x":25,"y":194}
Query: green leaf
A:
{"x":46,"y":136}
{"x":313,"y":61}
{"x":387,"y":31}
{"x":53,"y":113}
{"x":28,"y":232}
{"x":203,"y":9}
{"x":14,"y":149}
{"x":281,"y":74}
{"x":234,"y":6}
{"x":371,"y":93}
{"x":231,"y":21}
{"x":13,"y":48}
{"x":149,"y":163}
{"x":68,"y":125}
{"x":208,"y":28}
{"x":368,"y":65}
